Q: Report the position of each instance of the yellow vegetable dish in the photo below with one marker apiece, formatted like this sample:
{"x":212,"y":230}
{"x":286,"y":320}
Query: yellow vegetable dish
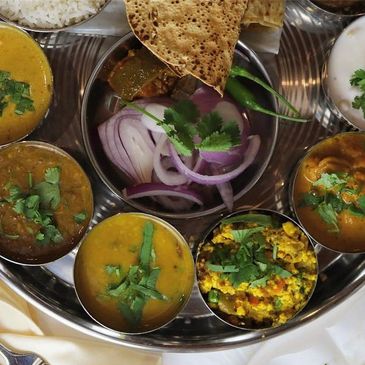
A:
{"x":133,"y":273}
{"x":256,"y":271}
{"x":25,"y":84}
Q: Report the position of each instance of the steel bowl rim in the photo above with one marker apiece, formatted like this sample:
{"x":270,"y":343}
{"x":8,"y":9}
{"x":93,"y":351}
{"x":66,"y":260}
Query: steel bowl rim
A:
{"x":252,"y":56}
{"x":292,"y":183}
{"x":270,"y":212}
{"x":340,"y":15}
{"x":58,"y":150}
{"x":160,"y":221}
{"x":52,"y":30}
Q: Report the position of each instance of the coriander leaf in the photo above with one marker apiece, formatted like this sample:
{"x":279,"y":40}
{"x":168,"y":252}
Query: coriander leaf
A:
{"x":213,"y":296}
{"x":118,"y":290}
{"x":49,"y":194}
{"x":262,"y":266}
{"x":39,"y":236}
{"x":231,"y":128}
{"x":129,"y":315}
{"x":148,"y":292}
{"x":359,"y":103}
{"x":52,"y":175}
{"x":260,"y":282}
{"x":361,"y":202}
{"x":80,"y":217}
{"x":330,"y":181}
{"x":15,"y":193}
{"x":152,"y":279}
{"x":275,"y":252}
{"x":358,"y":78}
{"x":278,"y":270}
{"x":217,"y":141}
{"x":221,"y":268}
{"x":209,"y":124}
{"x":137,"y":306}
{"x":311,"y":199}
{"x":146,"y":248}
{"x":328,"y":214}
{"x":246,"y":273}
{"x":242,"y":235}
{"x":113,"y":269}
{"x":277,"y":304}
{"x":19,"y":206}
{"x":357,"y":212}
{"x":336,"y":202}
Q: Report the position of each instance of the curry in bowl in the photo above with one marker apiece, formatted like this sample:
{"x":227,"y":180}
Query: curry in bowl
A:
{"x":25,"y":84}
{"x":46,"y":203}
{"x":256,"y":269}
{"x":329,"y":192}
{"x":133,"y":273}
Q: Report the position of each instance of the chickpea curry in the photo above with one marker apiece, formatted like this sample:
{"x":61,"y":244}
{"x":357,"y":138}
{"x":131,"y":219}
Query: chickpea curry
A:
{"x":133,"y":273}
{"x":45,"y":203}
{"x":329,"y":192}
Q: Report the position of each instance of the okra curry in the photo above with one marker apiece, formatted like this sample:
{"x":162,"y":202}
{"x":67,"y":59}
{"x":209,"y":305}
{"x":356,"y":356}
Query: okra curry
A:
{"x":133,"y":273}
{"x":25,"y":84}
{"x":46,"y":202}
{"x":329,"y":192}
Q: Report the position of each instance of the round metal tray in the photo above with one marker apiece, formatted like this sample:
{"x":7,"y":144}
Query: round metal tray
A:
{"x":296,"y":72}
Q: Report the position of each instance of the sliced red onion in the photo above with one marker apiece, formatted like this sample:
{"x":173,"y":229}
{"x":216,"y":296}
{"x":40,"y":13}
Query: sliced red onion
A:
{"x":173,"y":203}
{"x":229,"y":112}
{"x":139,"y":147}
{"x":153,"y":189}
{"x":158,"y":111}
{"x":226,"y":192}
{"x":166,"y":176}
{"x":249,"y":156}
{"x":205,"y":98}
{"x":114,"y":148}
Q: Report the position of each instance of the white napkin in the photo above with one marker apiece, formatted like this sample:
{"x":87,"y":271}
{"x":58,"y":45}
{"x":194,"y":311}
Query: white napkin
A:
{"x":20,"y":330}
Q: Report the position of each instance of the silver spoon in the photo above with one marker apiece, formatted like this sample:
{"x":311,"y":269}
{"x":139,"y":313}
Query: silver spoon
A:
{"x":15,"y":358}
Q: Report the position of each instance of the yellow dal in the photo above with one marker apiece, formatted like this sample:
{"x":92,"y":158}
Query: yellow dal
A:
{"x":23,"y":58}
{"x":117,"y":241}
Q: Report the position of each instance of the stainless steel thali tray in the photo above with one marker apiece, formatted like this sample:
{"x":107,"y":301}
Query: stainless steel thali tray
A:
{"x":296,"y":72}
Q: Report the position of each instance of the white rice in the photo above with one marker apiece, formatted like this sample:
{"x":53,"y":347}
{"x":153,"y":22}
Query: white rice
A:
{"x":49,"y":14}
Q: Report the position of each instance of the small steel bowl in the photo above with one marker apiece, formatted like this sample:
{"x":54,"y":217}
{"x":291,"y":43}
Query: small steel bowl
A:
{"x":310,"y":219}
{"x":57,"y":29}
{"x":331,"y":13}
{"x":47,"y":71}
{"x":336,"y":85}
{"x":100,"y":102}
{"x":55,"y":251}
{"x":92,"y":293}
{"x":245,"y":322}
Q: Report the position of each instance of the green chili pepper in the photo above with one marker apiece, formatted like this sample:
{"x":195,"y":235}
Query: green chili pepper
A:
{"x":247,"y":99}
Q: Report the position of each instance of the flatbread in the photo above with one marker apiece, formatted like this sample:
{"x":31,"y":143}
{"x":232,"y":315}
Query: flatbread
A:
{"x":194,"y":37}
{"x":269,"y":13}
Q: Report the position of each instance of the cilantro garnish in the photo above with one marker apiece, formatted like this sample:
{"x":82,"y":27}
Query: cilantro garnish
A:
{"x":80,"y":217}
{"x":38,"y":204}
{"x":139,"y":284}
{"x":15,"y":92}
{"x":358,"y":79}
{"x":184,"y":126}
{"x":326,"y":198}
{"x":248,"y":262}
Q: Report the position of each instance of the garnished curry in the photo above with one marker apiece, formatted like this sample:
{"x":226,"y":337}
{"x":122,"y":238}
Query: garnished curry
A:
{"x":256,"y":270}
{"x":25,"y":84}
{"x":329,"y":192}
{"x":133,"y":273}
{"x":45,"y":203}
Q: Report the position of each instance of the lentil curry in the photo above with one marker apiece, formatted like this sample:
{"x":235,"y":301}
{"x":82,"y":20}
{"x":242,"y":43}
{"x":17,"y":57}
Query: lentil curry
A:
{"x":46,"y":203}
{"x":255,"y":272}
{"x":25,"y":84}
{"x":133,"y":273}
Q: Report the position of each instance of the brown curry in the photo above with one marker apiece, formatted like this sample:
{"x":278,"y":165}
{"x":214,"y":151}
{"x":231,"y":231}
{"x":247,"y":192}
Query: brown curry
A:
{"x":46,"y":203}
{"x":329,"y":192}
